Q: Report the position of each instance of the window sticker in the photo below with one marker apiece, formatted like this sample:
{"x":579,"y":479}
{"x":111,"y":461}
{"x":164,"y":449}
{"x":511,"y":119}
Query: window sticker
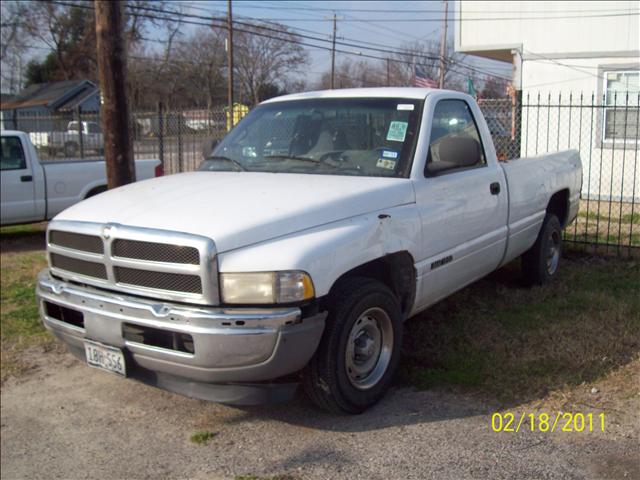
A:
{"x":389,"y":154}
{"x":406,"y":106}
{"x":386,"y":163}
{"x":397,"y":131}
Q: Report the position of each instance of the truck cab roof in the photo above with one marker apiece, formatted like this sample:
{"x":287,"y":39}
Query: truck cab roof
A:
{"x":413,"y":93}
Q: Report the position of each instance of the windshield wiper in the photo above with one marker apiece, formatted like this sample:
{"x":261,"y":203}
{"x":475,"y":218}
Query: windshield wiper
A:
{"x":227,"y":159}
{"x":292,"y":157}
{"x":320,"y":161}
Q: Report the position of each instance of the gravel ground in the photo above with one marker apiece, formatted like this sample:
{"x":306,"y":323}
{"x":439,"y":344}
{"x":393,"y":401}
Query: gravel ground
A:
{"x":65,"y":420}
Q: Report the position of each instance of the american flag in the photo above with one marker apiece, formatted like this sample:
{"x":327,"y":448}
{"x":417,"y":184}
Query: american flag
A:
{"x":420,"y":79}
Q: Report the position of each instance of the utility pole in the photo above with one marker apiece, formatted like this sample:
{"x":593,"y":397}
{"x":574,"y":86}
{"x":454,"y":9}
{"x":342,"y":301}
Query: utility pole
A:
{"x":388,"y":74}
{"x":333,"y":53}
{"x":112,"y":70}
{"x":443,"y":45}
{"x":230,"y":64}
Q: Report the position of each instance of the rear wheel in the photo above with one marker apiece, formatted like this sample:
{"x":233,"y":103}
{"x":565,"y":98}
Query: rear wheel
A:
{"x":360,"y":348}
{"x":71,"y":149}
{"x":540,"y":264}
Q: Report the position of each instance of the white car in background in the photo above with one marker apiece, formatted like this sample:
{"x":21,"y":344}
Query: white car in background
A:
{"x":80,"y":138}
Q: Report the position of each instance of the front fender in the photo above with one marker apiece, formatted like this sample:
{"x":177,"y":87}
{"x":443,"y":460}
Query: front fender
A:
{"x":328,"y":251}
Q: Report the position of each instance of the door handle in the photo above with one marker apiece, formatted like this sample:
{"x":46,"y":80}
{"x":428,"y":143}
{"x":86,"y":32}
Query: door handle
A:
{"x":494,"y":188}
{"x":26,"y":178}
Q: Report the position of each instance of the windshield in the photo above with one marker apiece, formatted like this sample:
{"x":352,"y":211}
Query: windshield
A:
{"x":362,"y":137}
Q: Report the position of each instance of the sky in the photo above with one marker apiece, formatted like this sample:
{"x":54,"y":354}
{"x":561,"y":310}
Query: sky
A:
{"x":357,"y":21}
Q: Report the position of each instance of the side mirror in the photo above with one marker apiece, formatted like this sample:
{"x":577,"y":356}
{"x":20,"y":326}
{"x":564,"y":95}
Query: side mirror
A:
{"x":460,"y":151}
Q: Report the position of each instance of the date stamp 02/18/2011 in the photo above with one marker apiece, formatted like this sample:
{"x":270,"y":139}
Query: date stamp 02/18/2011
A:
{"x":545,"y":422}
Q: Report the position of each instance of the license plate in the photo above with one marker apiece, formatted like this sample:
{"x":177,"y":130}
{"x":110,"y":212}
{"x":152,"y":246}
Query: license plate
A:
{"x":105,"y":357}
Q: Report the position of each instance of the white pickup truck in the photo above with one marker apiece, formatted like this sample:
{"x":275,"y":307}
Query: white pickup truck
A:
{"x":294,"y":255}
{"x":32,"y":191}
{"x":80,"y":138}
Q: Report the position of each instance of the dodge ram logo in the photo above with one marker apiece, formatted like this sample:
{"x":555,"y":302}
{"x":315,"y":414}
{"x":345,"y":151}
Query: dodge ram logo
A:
{"x":106,"y":232}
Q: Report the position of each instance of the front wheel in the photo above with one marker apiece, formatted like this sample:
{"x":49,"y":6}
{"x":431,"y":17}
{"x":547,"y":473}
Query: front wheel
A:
{"x":360,"y":348}
{"x":71,"y":149}
{"x":540,"y":264}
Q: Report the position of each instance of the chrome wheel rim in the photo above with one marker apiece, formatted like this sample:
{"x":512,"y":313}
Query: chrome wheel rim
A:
{"x":369,"y":348}
{"x":553,"y":256}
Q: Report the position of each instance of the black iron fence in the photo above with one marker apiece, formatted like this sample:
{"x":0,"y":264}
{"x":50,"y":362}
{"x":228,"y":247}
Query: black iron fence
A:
{"x":603,"y":129}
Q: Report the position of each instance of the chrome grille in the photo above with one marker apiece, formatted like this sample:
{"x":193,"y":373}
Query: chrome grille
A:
{"x":81,"y":267}
{"x":176,"y":282}
{"x":154,"y":263}
{"x":76,"y":241}
{"x":155,"y":252}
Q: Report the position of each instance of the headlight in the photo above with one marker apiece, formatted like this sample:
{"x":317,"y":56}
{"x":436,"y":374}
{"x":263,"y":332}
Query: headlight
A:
{"x":265,"y":287}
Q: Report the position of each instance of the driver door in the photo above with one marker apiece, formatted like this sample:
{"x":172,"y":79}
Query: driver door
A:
{"x":462,"y":202}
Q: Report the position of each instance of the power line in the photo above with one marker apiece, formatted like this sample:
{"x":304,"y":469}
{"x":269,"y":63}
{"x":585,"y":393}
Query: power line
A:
{"x":288,"y":33}
{"x":424,"y":10}
{"x":464,"y":19}
{"x":348,"y":44}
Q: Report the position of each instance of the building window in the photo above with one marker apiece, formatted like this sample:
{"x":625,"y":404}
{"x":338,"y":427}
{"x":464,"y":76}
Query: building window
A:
{"x":622,"y":90}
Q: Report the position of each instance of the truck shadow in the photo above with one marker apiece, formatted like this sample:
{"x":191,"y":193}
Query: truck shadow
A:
{"x":23,"y":238}
{"x":499,"y":344}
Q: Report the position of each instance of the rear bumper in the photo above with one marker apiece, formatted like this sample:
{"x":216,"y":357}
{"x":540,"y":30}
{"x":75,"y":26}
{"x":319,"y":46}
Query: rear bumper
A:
{"x":229,"y":345}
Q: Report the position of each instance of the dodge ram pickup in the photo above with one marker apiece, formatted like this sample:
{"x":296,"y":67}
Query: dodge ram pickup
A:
{"x":33,"y":191}
{"x":310,"y":233}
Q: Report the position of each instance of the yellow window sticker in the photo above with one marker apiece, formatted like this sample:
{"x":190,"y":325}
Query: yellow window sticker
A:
{"x":397,"y":131}
{"x":386,"y":163}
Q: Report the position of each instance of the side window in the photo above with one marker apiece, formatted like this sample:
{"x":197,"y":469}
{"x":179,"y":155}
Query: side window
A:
{"x":455,"y":140}
{"x":11,"y":154}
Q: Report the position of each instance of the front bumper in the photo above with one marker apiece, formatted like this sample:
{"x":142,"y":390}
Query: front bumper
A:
{"x":229,"y":345}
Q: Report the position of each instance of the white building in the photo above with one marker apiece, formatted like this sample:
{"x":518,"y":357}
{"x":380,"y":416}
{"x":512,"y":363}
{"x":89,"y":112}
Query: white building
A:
{"x":568,"y":53}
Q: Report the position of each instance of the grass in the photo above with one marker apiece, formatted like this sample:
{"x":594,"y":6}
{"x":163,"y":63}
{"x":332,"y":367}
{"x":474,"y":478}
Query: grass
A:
{"x":514,"y":343}
{"x":22,"y":229}
{"x":202,"y":437}
{"x":19,"y":320}
{"x":631,"y":218}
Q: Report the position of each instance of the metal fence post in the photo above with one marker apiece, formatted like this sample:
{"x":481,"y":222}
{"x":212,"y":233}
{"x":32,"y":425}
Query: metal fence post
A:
{"x":179,"y":126}
{"x":161,"y":134}
{"x":80,"y":132}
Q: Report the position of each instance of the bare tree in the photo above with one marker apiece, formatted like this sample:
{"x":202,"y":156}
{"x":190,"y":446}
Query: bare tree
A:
{"x":350,"y":74}
{"x":265,"y":57}
{"x":425,"y":55}
{"x":204,"y":55}
{"x":68,"y":30}
{"x":494,"y":88}
{"x":12,"y":44}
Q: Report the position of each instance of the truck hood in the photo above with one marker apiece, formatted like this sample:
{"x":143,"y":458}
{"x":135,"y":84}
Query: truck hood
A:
{"x":236,"y":209}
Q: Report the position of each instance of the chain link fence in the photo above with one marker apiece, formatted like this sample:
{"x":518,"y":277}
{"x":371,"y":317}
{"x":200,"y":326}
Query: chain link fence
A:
{"x":603,"y":130}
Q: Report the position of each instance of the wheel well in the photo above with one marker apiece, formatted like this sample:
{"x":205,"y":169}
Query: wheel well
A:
{"x":559,"y":206}
{"x":396,"y":271}
{"x":96,"y":191}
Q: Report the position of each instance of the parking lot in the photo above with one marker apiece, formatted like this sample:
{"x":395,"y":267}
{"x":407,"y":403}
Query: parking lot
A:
{"x":62,"y":419}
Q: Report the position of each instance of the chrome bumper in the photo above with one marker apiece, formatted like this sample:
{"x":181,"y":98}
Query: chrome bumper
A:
{"x":229,"y":345}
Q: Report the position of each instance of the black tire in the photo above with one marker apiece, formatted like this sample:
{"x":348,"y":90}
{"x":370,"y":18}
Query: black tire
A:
{"x":326,"y":379}
{"x":71,"y":149}
{"x":540,"y":264}
{"x":96,"y":191}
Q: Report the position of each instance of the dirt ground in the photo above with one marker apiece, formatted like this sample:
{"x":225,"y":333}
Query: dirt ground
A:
{"x":65,"y":420}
